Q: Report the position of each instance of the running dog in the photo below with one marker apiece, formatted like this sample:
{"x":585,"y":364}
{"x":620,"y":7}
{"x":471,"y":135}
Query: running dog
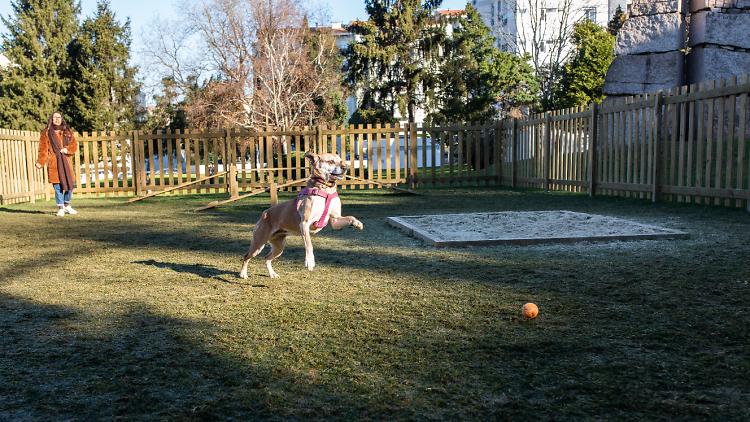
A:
{"x":316,"y":205}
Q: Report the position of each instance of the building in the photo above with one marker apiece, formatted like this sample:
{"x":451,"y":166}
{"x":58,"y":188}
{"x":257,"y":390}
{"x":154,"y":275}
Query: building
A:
{"x":4,"y":62}
{"x":541,"y":27}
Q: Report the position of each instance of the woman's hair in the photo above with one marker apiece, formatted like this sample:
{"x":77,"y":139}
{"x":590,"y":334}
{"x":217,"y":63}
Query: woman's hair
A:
{"x":63,"y":125}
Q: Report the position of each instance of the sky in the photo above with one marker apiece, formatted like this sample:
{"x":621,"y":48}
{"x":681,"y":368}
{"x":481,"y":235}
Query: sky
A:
{"x":142,"y":12}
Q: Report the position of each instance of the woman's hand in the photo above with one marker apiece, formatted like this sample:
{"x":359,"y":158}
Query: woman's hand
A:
{"x":64,"y":150}
{"x":37,"y":165}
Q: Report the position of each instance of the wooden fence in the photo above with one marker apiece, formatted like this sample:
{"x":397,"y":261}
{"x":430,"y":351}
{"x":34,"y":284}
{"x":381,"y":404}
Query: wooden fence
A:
{"x":688,"y":144}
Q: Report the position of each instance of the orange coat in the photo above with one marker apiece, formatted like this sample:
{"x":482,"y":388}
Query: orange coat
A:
{"x":47,"y":155}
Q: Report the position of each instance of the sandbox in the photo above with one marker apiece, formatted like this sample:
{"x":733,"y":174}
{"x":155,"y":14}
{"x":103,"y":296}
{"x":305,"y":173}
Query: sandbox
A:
{"x":526,"y":228}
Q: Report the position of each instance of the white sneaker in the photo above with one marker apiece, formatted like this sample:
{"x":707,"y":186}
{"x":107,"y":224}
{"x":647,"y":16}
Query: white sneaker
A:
{"x":61,"y":212}
{"x":70,"y":210}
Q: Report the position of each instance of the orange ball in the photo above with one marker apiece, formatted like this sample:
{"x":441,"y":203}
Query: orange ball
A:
{"x":530,"y":310}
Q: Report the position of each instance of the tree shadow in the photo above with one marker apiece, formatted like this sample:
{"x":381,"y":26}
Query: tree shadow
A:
{"x":132,"y":365}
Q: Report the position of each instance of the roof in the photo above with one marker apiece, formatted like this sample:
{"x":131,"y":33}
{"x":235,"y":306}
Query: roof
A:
{"x":451,"y":12}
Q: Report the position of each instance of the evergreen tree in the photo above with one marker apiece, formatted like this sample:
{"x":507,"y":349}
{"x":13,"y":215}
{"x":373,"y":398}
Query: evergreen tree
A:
{"x":33,"y":87}
{"x":618,"y":19}
{"x":477,"y":82}
{"x":393,"y":62}
{"x":583,"y":77}
{"x":103,"y":90}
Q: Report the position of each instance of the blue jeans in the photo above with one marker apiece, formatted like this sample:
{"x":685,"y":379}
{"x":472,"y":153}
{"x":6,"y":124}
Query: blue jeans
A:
{"x":61,"y":198}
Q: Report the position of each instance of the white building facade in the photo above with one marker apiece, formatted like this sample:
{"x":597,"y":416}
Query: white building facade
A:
{"x":541,"y":26}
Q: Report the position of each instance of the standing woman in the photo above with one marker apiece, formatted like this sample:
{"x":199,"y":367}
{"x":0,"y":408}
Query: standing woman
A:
{"x":56,"y":145}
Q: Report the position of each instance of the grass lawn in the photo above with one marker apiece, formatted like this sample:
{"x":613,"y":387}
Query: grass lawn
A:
{"x":135,"y":311}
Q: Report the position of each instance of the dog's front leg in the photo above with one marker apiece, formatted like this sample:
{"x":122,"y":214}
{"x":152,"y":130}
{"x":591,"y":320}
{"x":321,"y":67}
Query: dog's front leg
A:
{"x":339,"y":222}
{"x":306,"y":238}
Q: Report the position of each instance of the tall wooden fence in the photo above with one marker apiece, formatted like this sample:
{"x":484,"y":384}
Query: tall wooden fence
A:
{"x":688,"y":144}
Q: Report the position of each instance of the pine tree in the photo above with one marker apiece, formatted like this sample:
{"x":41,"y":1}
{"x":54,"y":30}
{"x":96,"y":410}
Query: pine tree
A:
{"x":618,"y":19}
{"x":393,"y":62}
{"x":583,"y":77}
{"x":476,"y":78}
{"x":33,"y":87}
{"x":103,"y":90}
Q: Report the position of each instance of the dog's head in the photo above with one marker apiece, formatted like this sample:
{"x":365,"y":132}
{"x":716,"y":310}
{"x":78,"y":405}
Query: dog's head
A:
{"x":328,"y":167}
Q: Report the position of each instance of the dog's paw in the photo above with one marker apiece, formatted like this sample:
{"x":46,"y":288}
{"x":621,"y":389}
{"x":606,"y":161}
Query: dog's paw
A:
{"x":273,"y":274}
{"x":310,"y":263}
{"x":243,"y":274}
{"x":357,"y":225}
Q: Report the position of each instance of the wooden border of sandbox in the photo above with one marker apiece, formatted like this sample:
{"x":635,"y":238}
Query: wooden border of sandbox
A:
{"x":411,"y":230}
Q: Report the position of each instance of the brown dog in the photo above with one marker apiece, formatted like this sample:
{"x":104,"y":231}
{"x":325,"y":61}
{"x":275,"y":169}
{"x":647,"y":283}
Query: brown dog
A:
{"x":306,"y":215}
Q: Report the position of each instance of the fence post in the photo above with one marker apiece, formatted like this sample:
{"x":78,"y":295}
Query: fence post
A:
{"x":656,"y":190}
{"x":498,"y":152}
{"x":593,"y":134}
{"x":234,"y":190}
{"x":413,"y":155}
{"x":29,"y":166}
{"x":546,"y":156}
{"x":318,"y":140}
{"x":135,"y":164}
{"x":230,"y":165}
{"x":274,"y":193}
{"x":514,"y":153}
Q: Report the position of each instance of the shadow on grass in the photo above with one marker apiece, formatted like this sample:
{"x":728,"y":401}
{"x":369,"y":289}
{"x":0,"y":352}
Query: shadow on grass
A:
{"x":132,"y":365}
{"x":20,"y":211}
{"x":203,"y":271}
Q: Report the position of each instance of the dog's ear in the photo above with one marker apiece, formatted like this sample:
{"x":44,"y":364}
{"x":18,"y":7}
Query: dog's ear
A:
{"x":311,"y":156}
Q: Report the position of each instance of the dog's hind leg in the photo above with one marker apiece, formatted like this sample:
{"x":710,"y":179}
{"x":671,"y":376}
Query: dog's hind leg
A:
{"x":260,"y":237}
{"x":277,"y":242}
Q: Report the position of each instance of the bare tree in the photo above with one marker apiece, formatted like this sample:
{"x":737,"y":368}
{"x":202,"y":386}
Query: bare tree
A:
{"x":169,"y":51}
{"x":257,"y":63}
{"x":543,"y":29}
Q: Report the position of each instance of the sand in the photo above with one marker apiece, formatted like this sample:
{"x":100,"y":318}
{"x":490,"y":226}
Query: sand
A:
{"x":483,"y":228}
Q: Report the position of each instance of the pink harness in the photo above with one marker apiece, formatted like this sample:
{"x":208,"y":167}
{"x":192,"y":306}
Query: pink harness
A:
{"x":318,"y":192}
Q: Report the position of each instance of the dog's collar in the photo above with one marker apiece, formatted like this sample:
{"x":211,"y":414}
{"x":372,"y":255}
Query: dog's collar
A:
{"x":323,"y":182}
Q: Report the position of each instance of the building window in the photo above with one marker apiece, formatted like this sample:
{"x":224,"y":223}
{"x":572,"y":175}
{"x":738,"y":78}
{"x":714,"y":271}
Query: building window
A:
{"x":590,"y":14}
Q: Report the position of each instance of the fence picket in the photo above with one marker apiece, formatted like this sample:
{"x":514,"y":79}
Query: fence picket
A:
{"x":741,"y":147}
{"x":719,"y":142}
{"x":730,"y":139}
{"x":679,"y":171}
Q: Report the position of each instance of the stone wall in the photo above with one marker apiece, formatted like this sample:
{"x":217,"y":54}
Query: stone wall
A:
{"x":650,"y":47}
{"x":719,"y":40}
